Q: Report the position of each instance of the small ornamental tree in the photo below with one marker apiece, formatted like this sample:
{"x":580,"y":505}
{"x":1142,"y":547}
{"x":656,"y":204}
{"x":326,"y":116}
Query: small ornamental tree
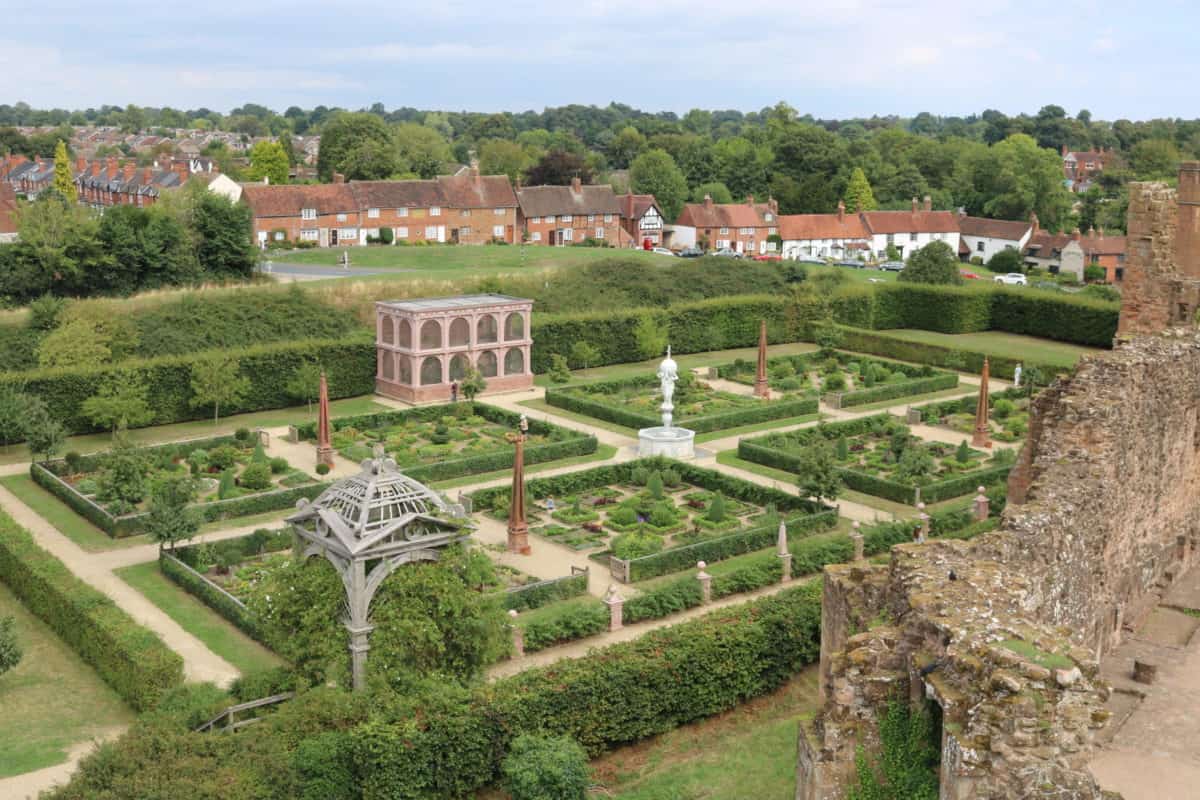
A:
{"x":64,"y":181}
{"x":14,"y":412}
{"x":1007,"y":260}
{"x":963,"y":454}
{"x":122,"y":478}
{"x":120,"y":403}
{"x":170,"y":518}
{"x":915,"y":463}
{"x":654,"y":485}
{"x":10,"y":649}
{"x":43,"y":434}
{"x":716,"y":509}
{"x":257,"y":476}
{"x":559,"y":371}
{"x":216,"y":382}
{"x":651,"y":337}
{"x":305,"y":383}
{"x":933,"y":263}
{"x":816,"y":472}
{"x":584,"y":354}
{"x":843,"y":449}
{"x":473,"y":384}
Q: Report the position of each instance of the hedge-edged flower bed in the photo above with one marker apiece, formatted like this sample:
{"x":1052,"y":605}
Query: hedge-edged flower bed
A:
{"x":437,"y":443}
{"x":1008,"y":420}
{"x":235,"y":477}
{"x":634,"y":402}
{"x":127,"y":656}
{"x":881,"y":343}
{"x":878,"y":460}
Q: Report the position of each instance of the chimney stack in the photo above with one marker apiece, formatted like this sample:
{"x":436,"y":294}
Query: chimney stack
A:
{"x":266,"y":180}
{"x":129,"y":170}
{"x":841,"y":210}
{"x":750,"y":200}
{"x":773,"y":204}
{"x":1091,"y":232}
{"x":928,"y":203}
{"x":147,"y":176}
{"x":914,"y":205}
{"x":96,"y":167}
{"x":80,"y":164}
{"x":708,"y":200}
{"x":180,"y":168}
{"x":576,"y":185}
{"x":111,"y":171}
{"x":1075,"y":235}
{"x":1033,"y":220}
{"x":1187,"y":233}
{"x":1065,"y":151}
{"x":339,"y":177}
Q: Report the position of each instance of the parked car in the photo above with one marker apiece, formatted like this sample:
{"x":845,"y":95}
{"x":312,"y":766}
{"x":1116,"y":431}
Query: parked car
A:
{"x":662,"y":251}
{"x":971,"y":276}
{"x":892,"y":266}
{"x":1012,"y":279}
{"x":768,"y":257}
{"x":849,"y":262}
{"x":725,"y":252}
{"x":811,"y":260}
{"x":691,"y":252}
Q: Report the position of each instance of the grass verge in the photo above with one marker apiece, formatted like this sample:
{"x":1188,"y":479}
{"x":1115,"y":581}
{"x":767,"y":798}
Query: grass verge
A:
{"x":63,"y":518}
{"x":603,"y":453}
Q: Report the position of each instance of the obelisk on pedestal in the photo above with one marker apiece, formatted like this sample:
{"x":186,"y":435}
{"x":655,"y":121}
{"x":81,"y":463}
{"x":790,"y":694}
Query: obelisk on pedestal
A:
{"x":983,"y":433}
{"x":324,"y":443}
{"x":761,"y":389}
{"x":518,"y":528}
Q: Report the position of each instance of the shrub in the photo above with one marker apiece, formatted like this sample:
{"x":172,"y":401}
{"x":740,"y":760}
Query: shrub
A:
{"x":1002,"y":409}
{"x":197,"y":460}
{"x":386,"y":235}
{"x":716,"y":509}
{"x":279,"y":466}
{"x":322,"y":469}
{"x":223,"y":457}
{"x":545,"y":768}
{"x":654,"y":485}
{"x":256,"y":477}
{"x":663,"y":516}
{"x":635,"y":544}
{"x":226,"y":485}
{"x":570,"y":620}
{"x":670,"y":478}
{"x":623,"y":515}
{"x":10,"y":648}
{"x":963,"y":454}
{"x":559,"y":372}
{"x":243,"y":435}
{"x":74,"y":462}
{"x":835,"y":383}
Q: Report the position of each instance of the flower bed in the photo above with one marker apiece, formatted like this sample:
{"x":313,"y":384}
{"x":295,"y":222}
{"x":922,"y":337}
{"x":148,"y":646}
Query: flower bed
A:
{"x":1008,"y":420}
{"x":232,"y":475}
{"x":877,"y":455}
{"x":441,"y":442}
{"x":634,"y":403}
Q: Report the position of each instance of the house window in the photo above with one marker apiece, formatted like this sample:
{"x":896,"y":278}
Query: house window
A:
{"x":772,"y":231}
{"x":279,"y":236}
{"x":341,"y":217}
{"x":347,"y":234}
{"x":499,"y":212}
{"x":599,"y":233}
{"x":549,"y":219}
{"x":373,"y":213}
{"x":536,"y":236}
{"x":308,"y":213}
{"x":535,"y":220}
{"x":431,"y":231}
{"x":608,"y":217}
{"x":979,"y":246}
{"x":724,"y":231}
{"x":466,"y":212}
{"x":498,"y":231}
{"x":746,"y":231}
{"x":769,"y":217}
{"x":566,"y":218}
{"x":464,"y":231}
{"x":568,"y":234}
{"x":435,"y":211}
{"x":401,"y":212}
{"x":722,"y":244}
{"x":591,"y":218}
{"x":309,"y":234}
{"x":912,"y":237}
{"x":401,"y":233}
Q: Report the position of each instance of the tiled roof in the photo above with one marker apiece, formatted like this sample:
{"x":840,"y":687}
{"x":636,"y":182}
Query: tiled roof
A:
{"x":910,"y":221}
{"x":545,"y":201}
{"x":724,"y":215}
{"x":483,"y":191}
{"x":1044,"y":244}
{"x":805,"y":227}
{"x":396,"y":194}
{"x":633,"y":206}
{"x":993,"y":228}
{"x":286,"y":201}
{"x":8,"y":209}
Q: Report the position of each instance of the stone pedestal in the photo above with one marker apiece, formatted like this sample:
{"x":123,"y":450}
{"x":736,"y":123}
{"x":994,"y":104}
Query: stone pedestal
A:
{"x":616,"y":606}
{"x":677,"y":443}
{"x":981,"y":508}
{"x":518,"y":635}
{"x":705,"y":583}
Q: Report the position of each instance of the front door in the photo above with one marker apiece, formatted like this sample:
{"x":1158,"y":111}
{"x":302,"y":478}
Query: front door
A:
{"x":333,"y":233}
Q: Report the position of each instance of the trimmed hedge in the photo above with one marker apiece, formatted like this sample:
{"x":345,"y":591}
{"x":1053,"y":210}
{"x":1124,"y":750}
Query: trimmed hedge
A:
{"x":131,"y":524}
{"x":947,"y":309}
{"x":882,"y":344}
{"x":536,"y":595}
{"x":892,"y":391}
{"x":569,"y":399}
{"x":932,"y":413}
{"x":573,"y":444}
{"x":349,"y":364}
{"x":573,"y":620}
{"x":209,"y":594}
{"x":131,"y":659}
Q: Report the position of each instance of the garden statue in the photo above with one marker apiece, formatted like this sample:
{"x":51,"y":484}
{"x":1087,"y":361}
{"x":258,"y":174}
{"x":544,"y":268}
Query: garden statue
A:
{"x":668,"y":374}
{"x":667,"y":439}
{"x":1017,"y":375}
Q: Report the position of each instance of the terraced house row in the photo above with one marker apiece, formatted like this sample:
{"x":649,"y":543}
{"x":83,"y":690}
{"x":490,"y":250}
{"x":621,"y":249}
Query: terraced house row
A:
{"x":106,"y":181}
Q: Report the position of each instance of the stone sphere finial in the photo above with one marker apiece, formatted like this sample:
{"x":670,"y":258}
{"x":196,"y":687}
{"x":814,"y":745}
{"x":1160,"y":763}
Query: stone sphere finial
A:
{"x":512,"y":612}
{"x":921,"y":506}
{"x":982,"y":490}
{"x":701,"y":565}
{"x":856,"y":525}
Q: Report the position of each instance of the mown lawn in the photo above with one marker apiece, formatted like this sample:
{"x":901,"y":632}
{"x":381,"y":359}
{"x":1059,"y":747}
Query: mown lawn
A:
{"x":603,"y":453}
{"x":52,"y":700}
{"x":689,"y":361}
{"x":64,"y":518}
{"x":198,"y":619}
{"x":998,"y":343}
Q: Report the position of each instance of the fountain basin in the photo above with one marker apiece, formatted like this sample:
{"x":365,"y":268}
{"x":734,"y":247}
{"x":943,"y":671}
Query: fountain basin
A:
{"x":672,"y":442}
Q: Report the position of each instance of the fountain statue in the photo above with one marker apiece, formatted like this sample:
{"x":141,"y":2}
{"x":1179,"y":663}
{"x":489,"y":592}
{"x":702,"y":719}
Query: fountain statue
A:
{"x":667,"y":439}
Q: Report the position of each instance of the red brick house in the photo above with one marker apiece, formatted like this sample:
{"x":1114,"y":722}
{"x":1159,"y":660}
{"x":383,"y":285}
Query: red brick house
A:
{"x":8,"y":213}
{"x":99,"y":183}
{"x":641,"y":219}
{"x":741,"y":227}
{"x":562,"y":215}
{"x":1080,"y":168}
{"x":326,"y":213}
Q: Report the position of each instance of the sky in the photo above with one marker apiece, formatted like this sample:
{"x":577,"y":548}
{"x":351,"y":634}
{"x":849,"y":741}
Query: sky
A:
{"x":832,"y":59}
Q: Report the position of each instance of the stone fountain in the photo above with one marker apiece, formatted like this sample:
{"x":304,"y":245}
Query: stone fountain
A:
{"x":667,"y":439}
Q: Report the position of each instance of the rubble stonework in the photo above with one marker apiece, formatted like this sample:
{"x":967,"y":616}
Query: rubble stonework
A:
{"x":1005,"y":633}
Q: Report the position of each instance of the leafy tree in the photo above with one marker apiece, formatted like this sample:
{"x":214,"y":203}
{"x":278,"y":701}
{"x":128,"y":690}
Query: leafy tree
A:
{"x":122,"y":478}
{"x":843,"y":449}
{"x":1011,"y":179}
{"x":420,"y":150}
{"x":716,"y":509}
{"x":64,"y":180}
{"x":146,"y":248}
{"x":305,"y":383}
{"x":224,"y":245}
{"x":654,"y":172}
{"x":14,"y":413}
{"x":742,"y":166}
{"x":216,"y":382}
{"x":654,"y":485}
{"x":914,"y":463}
{"x":58,"y":246}
{"x":44,"y":435}
{"x":816,"y":471}
{"x":359,"y":146}
{"x":10,"y":648}
{"x":584,"y":353}
{"x":170,"y":518}
{"x":545,"y":768}
{"x":963,"y":454}
{"x":626,"y":146}
{"x":120,"y":403}
{"x":500,"y":157}
{"x":933,"y":263}
{"x":268,"y":160}
{"x":718,"y":191}
{"x":859,"y":196}
{"x":558,"y":168}
{"x":1007,"y":260}
{"x":559,"y":372}
{"x":650,"y":337}
{"x":473,"y":384}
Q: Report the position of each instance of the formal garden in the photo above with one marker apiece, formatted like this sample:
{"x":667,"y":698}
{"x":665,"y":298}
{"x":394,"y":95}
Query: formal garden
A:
{"x":1008,"y":414}
{"x":634,"y":403}
{"x":878,"y":455}
{"x":842,"y":379}
{"x":440,"y":442}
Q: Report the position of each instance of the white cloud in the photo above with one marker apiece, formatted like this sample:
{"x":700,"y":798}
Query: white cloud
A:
{"x":919,"y":55}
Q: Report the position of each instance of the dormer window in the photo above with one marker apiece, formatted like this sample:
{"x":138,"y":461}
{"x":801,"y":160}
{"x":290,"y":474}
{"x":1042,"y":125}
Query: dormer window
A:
{"x":308,"y":213}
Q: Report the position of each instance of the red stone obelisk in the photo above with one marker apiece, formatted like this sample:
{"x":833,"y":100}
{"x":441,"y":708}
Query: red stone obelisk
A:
{"x":982,"y":436}
{"x":761,"y":389}
{"x":518,"y":528}
{"x":324,"y":445}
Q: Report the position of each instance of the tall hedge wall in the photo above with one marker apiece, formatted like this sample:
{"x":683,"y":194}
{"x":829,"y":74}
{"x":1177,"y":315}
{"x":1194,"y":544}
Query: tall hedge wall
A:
{"x":127,"y":656}
{"x":349,"y":364}
{"x":881,"y":344}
